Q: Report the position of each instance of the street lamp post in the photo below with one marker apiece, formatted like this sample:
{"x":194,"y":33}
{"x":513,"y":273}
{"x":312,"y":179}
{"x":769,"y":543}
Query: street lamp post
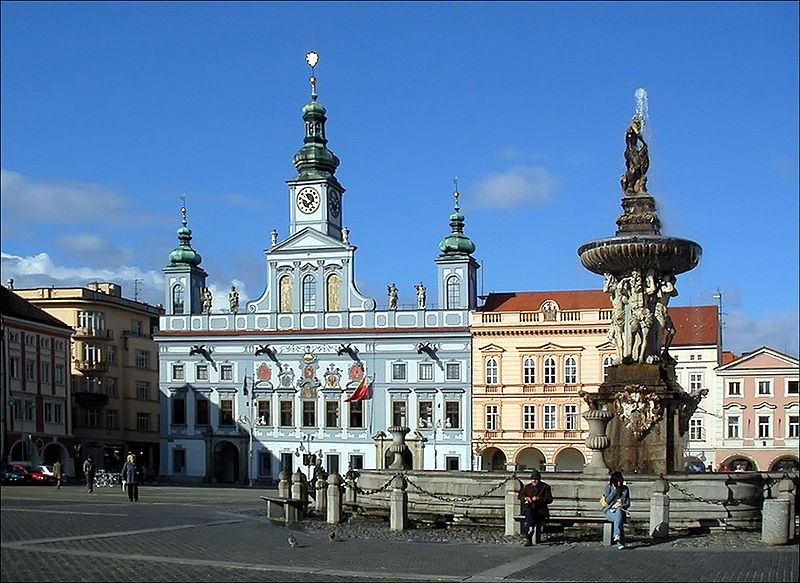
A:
{"x":250,"y":424}
{"x":304,"y":448}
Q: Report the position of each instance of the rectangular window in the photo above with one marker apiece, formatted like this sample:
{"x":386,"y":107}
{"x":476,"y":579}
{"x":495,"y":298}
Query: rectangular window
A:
{"x":764,"y":387}
{"x":451,"y":463}
{"x":332,"y":463}
{"x":91,"y":418}
{"x":356,"y":414}
{"x":201,"y":372}
{"x":226,"y":372}
{"x":528,"y":417}
{"x":142,"y":359}
{"x":492,"y":417}
{"x":178,"y":461}
{"x":178,"y":410}
{"x":735,"y":388}
{"x":331,"y":413}
{"x":550,"y":371}
{"x":61,"y":375}
{"x":58,"y":413}
{"x":399,"y":371}
{"x":309,"y":413}
{"x":791,"y":388}
{"x":356,"y":461}
{"x":264,"y":412}
{"x":426,"y":413}
{"x":30,"y":369}
{"x":264,"y":464}
{"x":178,"y":372}
{"x":111,"y":387}
{"x":549,"y":417}
{"x":399,"y":413}
{"x":13,"y":367}
{"x":570,"y":417}
{"x":201,"y":416}
{"x":764,"y":426}
{"x":30,"y":409}
{"x":226,"y":412}
{"x":90,"y":320}
{"x":45,"y":372}
{"x":143,"y":390}
{"x":111,"y":354}
{"x":696,"y":431}
{"x":453,"y":371}
{"x":794,"y":426}
{"x":695,"y":381}
{"x":48,"y":412}
{"x":112,"y":419}
{"x":733,"y":427}
{"x":287,"y":413}
{"x":452,"y":414}
{"x":136,"y":328}
{"x":426,"y":371}
{"x":143,"y":421}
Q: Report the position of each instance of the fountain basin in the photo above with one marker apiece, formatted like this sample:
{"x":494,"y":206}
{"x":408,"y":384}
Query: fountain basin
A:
{"x":625,"y":253}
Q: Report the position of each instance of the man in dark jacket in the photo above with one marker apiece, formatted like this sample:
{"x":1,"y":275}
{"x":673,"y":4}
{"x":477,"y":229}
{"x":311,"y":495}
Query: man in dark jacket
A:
{"x":535,"y":496}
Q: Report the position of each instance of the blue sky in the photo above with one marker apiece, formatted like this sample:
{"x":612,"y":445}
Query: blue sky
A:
{"x":111,"y":111}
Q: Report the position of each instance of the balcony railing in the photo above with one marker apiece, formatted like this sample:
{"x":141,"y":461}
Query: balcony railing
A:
{"x":91,"y":365}
{"x":94,"y":333}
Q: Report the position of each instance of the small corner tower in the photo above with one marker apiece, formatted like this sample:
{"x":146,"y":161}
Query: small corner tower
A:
{"x":185,"y":279}
{"x":458,"y":270}
{"x":315,"y":194}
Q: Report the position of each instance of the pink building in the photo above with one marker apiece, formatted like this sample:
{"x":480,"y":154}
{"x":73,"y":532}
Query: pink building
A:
{"x":761,"y":412}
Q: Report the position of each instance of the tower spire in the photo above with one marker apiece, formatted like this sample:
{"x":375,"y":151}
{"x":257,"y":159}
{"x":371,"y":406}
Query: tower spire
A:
{"x":456,"y":243}
{"x":183,"y":254}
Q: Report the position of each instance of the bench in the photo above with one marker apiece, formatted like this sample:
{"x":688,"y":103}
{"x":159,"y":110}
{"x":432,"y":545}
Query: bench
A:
{"x":292,"y":508}
{"x":569,"y":520}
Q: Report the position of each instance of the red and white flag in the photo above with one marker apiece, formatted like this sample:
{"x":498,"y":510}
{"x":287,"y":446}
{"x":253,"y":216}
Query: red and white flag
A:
{"x":361,"y":392}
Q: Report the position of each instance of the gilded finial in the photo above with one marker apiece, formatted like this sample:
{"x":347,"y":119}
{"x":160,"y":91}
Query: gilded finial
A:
{"x":183,"y":209}
{"x":312,"y":59}
{"x":456,"y":194}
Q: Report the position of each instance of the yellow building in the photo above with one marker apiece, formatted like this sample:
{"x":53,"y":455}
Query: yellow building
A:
{"x":115,"y":407}
{"x":533,"y":353}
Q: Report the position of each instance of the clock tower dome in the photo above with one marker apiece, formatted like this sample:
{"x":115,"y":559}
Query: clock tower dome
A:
{"x":315,"y":195}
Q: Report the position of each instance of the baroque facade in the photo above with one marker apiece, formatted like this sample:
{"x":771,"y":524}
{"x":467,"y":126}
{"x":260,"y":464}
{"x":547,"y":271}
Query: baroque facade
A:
{"x":114,"y":372}
{"x":535,"y":353}
{"x":313,"y":369}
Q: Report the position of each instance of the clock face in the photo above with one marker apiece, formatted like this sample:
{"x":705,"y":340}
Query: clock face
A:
{"x":334,"y":203}
{"x":308,"y":200}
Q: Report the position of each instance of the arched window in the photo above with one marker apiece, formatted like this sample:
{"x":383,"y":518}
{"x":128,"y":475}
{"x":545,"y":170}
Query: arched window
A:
{"x":333,"y":292}
{"x":549,"y":370}
{"x":453,"y":293}
{"x":309,"y":294}
{"x":492,"y":376}
{"x":178,"y":294}
{"x":529,"y":371}
{"x":286,"y":292}
{"x":570,"y":370}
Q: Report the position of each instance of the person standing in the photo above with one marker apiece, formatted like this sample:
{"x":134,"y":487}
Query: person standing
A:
{"x":616,"y":501}
{"x":535,"y":497}
{"x":132,"y":474}
{"x":58,"y":474}
{"x":89,"y":470}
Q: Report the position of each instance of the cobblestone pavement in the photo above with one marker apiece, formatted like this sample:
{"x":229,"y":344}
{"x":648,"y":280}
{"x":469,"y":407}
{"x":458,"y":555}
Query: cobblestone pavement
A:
{"x":220,"y":534}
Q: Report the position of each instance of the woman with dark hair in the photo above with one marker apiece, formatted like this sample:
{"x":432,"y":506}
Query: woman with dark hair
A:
{"x":616,"y":501}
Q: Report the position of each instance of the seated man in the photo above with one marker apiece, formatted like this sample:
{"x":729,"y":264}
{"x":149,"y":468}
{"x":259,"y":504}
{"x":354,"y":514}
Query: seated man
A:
{"x":535,"y":497}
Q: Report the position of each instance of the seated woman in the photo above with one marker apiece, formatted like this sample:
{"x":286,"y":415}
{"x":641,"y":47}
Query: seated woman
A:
{"x":616,"y":501}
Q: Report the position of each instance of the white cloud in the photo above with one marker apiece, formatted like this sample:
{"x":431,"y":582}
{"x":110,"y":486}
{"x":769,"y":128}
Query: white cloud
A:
{"x":514,"y":188}
{"x":779,"y":331}
{"x":60,"y":201}
{"x":94,"y":249}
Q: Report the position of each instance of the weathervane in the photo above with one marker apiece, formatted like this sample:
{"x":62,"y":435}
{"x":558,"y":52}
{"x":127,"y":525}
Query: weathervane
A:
{"x":312,"y":59}
{"x":456,"y":194}
{"x":183,"y":207}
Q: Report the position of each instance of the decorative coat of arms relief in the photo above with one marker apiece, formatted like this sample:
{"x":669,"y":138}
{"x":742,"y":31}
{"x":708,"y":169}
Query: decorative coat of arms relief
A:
{"x":638,"y":409}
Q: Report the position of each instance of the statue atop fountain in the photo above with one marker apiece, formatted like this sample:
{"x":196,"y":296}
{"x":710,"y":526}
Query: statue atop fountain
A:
{"x":640,"y":268}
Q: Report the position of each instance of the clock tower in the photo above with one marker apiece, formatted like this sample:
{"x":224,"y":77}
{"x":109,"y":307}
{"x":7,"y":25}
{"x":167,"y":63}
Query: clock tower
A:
{"x":315,"y":195}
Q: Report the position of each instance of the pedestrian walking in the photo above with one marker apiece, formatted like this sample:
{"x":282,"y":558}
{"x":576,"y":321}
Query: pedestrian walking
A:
{"x":132,"y":476}
{"x":58,"y":474}
{"x":89,"y":470}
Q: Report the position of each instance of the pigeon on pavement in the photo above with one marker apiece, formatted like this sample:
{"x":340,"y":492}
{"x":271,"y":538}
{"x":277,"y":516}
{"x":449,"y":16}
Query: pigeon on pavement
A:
{"x":292,"y":541}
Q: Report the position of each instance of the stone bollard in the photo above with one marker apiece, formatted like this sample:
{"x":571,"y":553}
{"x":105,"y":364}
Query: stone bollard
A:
{"x":786,"y":492}
{"x":334,"y":499}
{"x":299,"y":486}
{"x":350,"y":491}
{"x":398,"y":504}
{"x":659,"y":509}
{"x":775,"y":521}
{"x":283,"y":484}
{"x":320,"y":502}
{"x":511,"y":506}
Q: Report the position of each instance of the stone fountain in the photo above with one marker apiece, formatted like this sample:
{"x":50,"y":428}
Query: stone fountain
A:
{"x":647,"y":410}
